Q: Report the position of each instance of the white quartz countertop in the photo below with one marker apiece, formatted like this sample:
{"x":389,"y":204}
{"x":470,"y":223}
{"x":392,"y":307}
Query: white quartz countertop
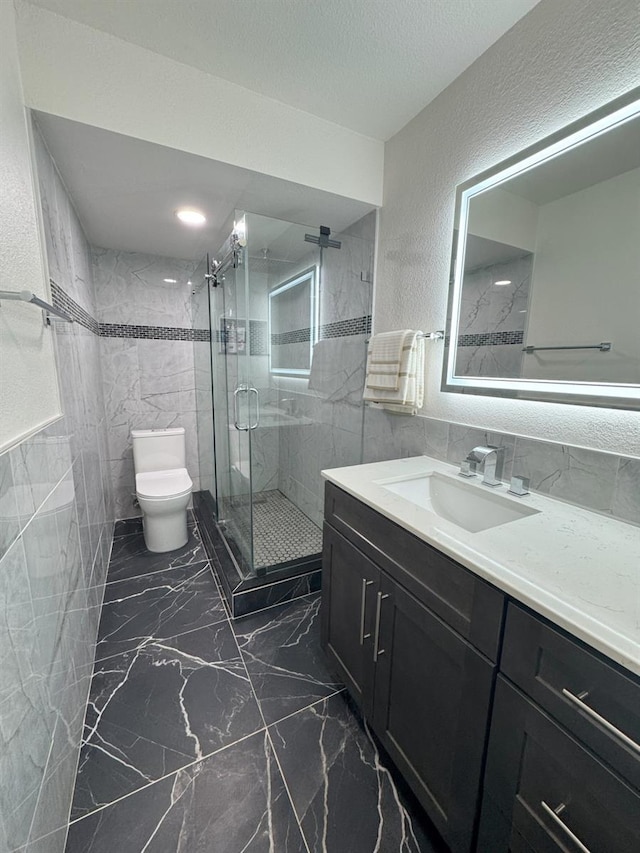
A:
{"x":579,"y":569}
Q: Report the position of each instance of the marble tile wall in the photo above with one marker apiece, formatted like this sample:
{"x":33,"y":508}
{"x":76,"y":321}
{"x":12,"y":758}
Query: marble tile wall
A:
{"x":489,"y":308}
{"x":602,"y":482}
{"x":148,"y":384}
{"x":55,"y":539}
{"x":329,"y":405}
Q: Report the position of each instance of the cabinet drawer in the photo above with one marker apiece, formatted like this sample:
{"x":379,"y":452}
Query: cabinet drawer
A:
{"x":594,"y":700}
{"x":548,"y":789}
{"x":470,"y":606}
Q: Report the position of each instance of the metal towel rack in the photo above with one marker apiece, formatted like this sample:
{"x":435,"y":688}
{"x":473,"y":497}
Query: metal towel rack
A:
{"x":27,"y":296}
{"x":605,"y":346}
{"x":431,"y":336}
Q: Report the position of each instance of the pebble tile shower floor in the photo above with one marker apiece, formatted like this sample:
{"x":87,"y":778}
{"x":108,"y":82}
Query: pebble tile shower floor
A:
{"x":204,"y":734}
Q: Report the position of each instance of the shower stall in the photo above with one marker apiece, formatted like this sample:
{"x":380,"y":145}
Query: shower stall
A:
{"x":283,"y":313}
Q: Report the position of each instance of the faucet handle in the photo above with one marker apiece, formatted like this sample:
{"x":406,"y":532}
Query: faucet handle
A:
{"x":519,"y":486}
{"x":468,"y":468}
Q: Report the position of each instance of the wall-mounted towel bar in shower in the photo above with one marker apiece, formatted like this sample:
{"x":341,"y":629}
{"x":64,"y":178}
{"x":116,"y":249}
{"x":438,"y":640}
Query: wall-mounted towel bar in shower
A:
{"x":27,"y":296}
{"x":605,"y":346}
{"x":430,"y":336}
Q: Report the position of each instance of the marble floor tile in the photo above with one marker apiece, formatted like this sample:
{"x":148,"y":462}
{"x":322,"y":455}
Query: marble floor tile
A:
{"x":231,"y":802}
{"x":130,"y":558}
{"x":344,"y":797}
{"x":157,"y":606}
{"x":127,"y":526}
{"x":281,"y":648}
{"x":158,"y":708}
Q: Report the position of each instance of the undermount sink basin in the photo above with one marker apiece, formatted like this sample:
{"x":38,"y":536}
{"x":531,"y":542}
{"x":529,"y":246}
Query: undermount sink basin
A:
{"x":471,"y":507}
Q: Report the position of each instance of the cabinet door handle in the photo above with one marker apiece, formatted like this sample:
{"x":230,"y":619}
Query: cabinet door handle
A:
{"x":577,"y":700}
{"x":376,"y":651}
{"x":363,"y":609}
{"x":553,"y":814}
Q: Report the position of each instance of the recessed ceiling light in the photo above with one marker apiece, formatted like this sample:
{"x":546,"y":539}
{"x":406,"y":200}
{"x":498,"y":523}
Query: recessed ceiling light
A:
{"x":191,"y":217}
{"x":171,"y":280}
{"x":502,"y":283}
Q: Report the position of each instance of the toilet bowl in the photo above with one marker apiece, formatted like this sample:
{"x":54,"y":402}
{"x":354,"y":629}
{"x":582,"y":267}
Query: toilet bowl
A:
{"x":163,"y":487}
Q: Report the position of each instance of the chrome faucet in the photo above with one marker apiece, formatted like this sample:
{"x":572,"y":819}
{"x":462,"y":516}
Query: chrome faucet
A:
{"x":488,"y":459}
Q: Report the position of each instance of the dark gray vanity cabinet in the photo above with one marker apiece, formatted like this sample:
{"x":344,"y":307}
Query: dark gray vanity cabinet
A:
{"x":420,"y":681}
{"x":563,"y":766}
{"x":515,"y":736}
{"x":350,"y":585}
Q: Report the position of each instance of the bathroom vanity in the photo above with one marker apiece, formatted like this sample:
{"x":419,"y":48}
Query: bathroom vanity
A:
{"x":492,"y":644}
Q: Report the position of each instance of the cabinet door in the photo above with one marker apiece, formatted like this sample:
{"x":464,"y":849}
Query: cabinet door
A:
{"x":544,"y":786}
{"x":431,"y":708}
{"x":349,"y":586}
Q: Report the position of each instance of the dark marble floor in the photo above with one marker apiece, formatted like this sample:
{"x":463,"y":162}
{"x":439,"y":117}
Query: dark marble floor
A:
{"x":204,"y":734}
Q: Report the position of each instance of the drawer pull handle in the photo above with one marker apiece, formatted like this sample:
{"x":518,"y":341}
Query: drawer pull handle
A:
{"x":363,"y":608}
{"x":376,"y":651}
{"x":553,"y":814}
{"x":577,"y":700}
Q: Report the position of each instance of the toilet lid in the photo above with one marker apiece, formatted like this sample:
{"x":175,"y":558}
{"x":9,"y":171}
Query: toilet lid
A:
{"x":161,"y":484}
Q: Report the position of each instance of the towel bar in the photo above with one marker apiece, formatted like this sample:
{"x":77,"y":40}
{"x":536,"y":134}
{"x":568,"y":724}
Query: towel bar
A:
{"x":27,"y":296}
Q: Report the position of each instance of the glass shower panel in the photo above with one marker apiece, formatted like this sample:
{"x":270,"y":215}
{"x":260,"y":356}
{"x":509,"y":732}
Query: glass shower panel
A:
{"x":234,"y":412}
{"x":203,"y":384}
{"x":283,"y":273}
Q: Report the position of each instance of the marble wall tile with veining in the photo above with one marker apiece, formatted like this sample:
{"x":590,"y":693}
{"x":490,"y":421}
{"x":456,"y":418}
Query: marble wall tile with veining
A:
{"x":388,"y":436}
{"x":62,"y":496}
{"x":25,"y":741}
{"x":9,"y":520}
{"x":501,"y":360}
{"x":485,"y":307}
{"x":19,"y":646}
{"x":343,"y":292}
{"x":626,"y":497}
{"x":436,"y":438}
{"x":56,"y":789}
{"x":124,"y":492}
{"x":583,"y":477}
{"x":130,"y":288}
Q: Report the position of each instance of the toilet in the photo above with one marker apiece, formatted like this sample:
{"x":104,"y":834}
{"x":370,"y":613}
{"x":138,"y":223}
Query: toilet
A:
{"x":163,"y":486}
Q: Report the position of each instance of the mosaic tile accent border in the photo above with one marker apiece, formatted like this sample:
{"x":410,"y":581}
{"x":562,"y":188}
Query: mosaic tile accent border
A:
{"x":344,"y":328}
{"x":297,"y":336}
{"x":490,"y":339}
{"x":156,"y":333}
{"x":61,"y":299}
{"x":339,"y":329}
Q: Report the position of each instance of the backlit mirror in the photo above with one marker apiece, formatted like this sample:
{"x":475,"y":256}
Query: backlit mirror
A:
{"x":545,"y":291}
{"x":293,"y":324}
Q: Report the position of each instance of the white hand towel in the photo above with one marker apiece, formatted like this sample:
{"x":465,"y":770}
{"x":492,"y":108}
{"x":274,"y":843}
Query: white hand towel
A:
{"x":409,"y":396}
{"x":385,"y":359}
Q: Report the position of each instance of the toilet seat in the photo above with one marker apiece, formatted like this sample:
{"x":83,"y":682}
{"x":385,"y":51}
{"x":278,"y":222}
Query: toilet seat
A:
{"x":160,"y":485}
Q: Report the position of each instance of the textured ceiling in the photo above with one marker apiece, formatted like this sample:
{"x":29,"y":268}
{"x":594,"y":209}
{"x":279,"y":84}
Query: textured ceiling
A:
{"x":369,"y":65}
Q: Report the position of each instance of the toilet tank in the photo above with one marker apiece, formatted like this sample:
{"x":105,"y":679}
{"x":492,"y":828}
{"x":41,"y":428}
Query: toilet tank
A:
{"x":158,"y":449}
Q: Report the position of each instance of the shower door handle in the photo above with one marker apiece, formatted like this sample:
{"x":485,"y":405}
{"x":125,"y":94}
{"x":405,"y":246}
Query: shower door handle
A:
{"x":240,"y":389}
{"x":253,"y":390}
